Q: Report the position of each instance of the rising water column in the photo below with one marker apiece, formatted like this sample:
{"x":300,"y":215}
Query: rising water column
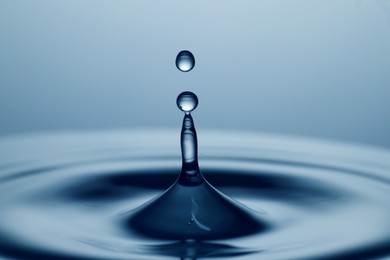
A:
{"x":192,"y":209}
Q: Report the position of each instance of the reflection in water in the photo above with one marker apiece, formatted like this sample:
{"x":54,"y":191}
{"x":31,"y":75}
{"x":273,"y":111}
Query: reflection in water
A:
{"x":67,"y":196}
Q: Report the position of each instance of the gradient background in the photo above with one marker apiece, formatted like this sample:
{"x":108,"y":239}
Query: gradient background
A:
{"x":307,"y":68}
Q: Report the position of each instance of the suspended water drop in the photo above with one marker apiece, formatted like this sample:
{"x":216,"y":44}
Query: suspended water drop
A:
{"x":187,"y":101}
{"x":185,"y":61}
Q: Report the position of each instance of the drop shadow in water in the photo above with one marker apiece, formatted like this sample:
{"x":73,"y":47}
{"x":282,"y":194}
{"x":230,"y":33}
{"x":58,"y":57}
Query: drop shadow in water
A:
{"x":197,"y":212}
{"x":111,"y":187}
{"x":196,"y":250}
{"x":259,"y":185}
{"x":372,"y":251}
{"x":103,"y":188}
{"x":14,"y":250}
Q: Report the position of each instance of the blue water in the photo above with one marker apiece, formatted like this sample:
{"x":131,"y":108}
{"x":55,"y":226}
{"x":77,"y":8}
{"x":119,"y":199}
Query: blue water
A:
{"x":68,"y":195}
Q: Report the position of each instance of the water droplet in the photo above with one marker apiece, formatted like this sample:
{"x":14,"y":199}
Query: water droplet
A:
{"x":187,"y":101}
{"x":191,"y":195}
{"x":185,"y":61}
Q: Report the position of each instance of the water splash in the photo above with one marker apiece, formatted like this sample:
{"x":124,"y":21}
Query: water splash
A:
{"x":323,"y":200}
{"x":190,"y":173}
{"x":192,"y":208}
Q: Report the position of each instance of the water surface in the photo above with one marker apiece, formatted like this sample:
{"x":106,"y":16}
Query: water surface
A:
{"x":68,"y":195}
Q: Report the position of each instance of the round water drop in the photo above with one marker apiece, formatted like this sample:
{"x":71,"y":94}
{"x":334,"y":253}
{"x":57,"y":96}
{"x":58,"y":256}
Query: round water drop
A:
{"x":185,"y":61}
{"x":187,"y":101}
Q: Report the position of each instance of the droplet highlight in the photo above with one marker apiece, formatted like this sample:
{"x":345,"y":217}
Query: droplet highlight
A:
{"x":185,"y":61}
{"x":187,"y":101}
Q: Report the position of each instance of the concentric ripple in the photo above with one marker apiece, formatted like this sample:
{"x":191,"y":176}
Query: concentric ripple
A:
{"x":65,"y":195}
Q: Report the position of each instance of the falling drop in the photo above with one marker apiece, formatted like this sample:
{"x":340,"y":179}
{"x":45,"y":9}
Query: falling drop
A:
{"x":187,"y":101}
{"x":212,"y":214}
{"x":185,"y":61}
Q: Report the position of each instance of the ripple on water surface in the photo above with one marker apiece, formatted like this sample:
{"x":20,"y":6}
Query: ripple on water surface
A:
{"x":70,"y":195}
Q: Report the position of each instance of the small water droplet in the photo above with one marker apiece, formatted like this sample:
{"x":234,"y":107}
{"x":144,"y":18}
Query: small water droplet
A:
{"x":185,"y":61}
{"x":187,"y":101}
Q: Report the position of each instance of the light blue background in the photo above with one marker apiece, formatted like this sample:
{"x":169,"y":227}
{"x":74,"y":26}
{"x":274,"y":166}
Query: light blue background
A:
{"x":308,"y":68}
